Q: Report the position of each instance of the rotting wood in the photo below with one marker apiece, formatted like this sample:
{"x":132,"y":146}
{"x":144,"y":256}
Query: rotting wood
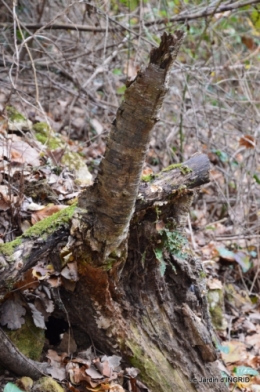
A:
{"x":29,"y":249}
{"x":14,"y":360}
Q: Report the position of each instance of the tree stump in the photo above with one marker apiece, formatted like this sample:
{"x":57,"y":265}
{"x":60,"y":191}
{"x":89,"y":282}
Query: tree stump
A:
{"x":141,"y":293}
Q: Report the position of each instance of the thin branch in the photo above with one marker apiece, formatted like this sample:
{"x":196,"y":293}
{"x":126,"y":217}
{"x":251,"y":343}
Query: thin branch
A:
{"x":181,"y":17}
{"x":208,"y":11}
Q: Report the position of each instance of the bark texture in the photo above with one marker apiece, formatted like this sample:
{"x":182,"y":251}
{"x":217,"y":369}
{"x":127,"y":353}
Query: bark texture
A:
{"x":141,"y":292}
{"x":159,"y":324}
{"x":113,"y":196}
{"x":158,"y":321}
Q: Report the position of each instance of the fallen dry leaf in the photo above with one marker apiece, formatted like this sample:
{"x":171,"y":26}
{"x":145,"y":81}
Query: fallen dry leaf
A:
{"x":37,"y":316}
{"x":254,"y":340}
{"x":247,"y":141}
{"x":116,"y":388}
{"x":214,"y":284}
{"x":93,"y":373}
{"x":17,"y":150}
{"x":160,"y":225}
{"x":41,"y":272}
{"x":12,"y":314}
{"x":147,"y":171}
{"x":237,"y":351}
{"x":248,"y":42}
{"x":97,"y":126}
{"x":56,"y":368}
{"x":70,"y":272}
{"x":45,"y":212}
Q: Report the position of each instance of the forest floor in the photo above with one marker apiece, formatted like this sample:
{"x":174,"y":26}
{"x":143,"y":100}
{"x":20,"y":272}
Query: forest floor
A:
{"x":212,"y":106}
{"x":36,"y":182}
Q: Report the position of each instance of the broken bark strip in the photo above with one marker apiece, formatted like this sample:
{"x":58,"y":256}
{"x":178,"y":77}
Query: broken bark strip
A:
{"x":113,"y":196}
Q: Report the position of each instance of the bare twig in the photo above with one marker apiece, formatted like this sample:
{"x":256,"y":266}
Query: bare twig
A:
{"x":181,"y":17}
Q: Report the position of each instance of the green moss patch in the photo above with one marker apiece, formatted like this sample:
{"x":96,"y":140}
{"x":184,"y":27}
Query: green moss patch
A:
{"x":43,"y":228}
{"x":184,"y":169}
{"x":149,"y":177}
{"x":46,"y":136}
{"x":47,"y":384}
{"x":156,"y":372}
{"x":171,"y":167}
{"x":14,"y":115}
{"x":8,"y":248}
{"x":29,"y":339}
{"x":51,"y":223}
{"x":16,"y":121}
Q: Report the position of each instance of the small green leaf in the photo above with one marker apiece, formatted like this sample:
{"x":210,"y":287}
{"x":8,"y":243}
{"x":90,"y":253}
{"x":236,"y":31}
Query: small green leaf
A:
{"x":255,"y":17}
{"x":234,"y":163}
{"x":162,"y":267}
{"x":133,"y":21}
{"x":131,"y":4}
{"x":163,"y":13}
{"x":244,"y":370}
{"x":221,"y":154}
{"x":254,"y":299}
{"x":117,"y":71}
{"x":10,"y":387}
{"x":21,"y":35}
{"x":255,"y":176}
{"x":121,"y":90}
{"x":210,"y":228}
{"x":159,"y":256}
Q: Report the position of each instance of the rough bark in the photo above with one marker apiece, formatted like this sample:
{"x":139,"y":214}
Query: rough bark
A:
{"x":171,"y":185}
{"x":140,"y":293}
{"x":159,"y":324}
{"x":112,"y":198}
{"x":172,"y":181}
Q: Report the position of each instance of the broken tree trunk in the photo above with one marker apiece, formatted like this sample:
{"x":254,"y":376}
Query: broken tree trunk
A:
{"x":140,"y":293}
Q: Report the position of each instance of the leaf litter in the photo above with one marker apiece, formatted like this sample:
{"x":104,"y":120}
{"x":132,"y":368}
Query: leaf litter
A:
{"x":86,"y":369}
{"x":34,"y":181}
{"x":35,"y":189}
{"x":229,"y":263}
